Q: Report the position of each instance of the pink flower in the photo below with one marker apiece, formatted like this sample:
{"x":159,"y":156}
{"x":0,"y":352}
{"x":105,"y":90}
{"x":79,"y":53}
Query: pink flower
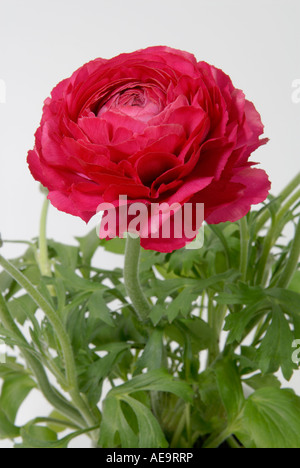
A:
{"x":156,"y":126}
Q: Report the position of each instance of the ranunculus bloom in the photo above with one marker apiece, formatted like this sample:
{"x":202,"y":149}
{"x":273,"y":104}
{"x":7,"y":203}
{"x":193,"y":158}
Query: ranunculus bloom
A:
{"x":156,"y":126}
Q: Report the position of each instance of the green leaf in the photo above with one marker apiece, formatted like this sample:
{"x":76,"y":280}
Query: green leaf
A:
{"x":182,"y":304}
{"x":14,"y":391}
{"x":67,"y":255}
{"x":88,"y":246}
{"x":157,"y":313}
{"x":156,"y":380}
{"x":114,"y":428}
{"x":115,"y":245}
{"x":150,"y":433}
{"x":272,"y":418}
{"x":6,"y":281}
{"x":7,"y":428}
{"x":199,"y":333}
{"x":241,"y":294}
{"x":99,"y":310}
{"x":236,"y":323}
{"x":92,"y":378}
{"x":230,"y":388}
{"x":260,"y":381}
{"x":11,"y":367}
{"x":57,"y":422}
{"x":288,"y":299}
{"x":22,"y":308}
{"x":75,"y":282}
{"x":295,"y":283}
{"x":36,"y":436}
{"x":213,"y":414}
{"x":152,"y":357}
{"x":163,"y":289}
{"x":276,"y":348}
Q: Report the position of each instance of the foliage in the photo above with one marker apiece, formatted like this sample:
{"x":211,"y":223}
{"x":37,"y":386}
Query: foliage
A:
{"x":217,"y":327}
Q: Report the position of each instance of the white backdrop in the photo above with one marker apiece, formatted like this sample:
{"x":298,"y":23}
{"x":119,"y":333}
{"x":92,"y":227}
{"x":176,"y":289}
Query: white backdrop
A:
{"x":43,"y":41}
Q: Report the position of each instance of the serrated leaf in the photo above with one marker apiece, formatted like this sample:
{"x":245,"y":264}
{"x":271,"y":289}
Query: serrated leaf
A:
{"x":182,"y":304}
{"x":163,"y":289}
{"x":92,"y":378}
{"x":241,"y":294}
{"x":290,"y":300}
{"x":99,"y":310}
{"x":236,"y":323}
{"x":272,"y":418}
{"x":276,"y":348}
{"x":74,"y":282}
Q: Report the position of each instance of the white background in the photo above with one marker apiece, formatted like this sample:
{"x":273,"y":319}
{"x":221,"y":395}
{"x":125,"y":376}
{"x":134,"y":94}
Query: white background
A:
{"x":256,"y":42}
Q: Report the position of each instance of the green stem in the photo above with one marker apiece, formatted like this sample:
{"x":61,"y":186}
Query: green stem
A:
{"x":178,"y":432}
{"x":131,"y":278}
{"x":214,"y":349}
{"x":189,"y":425}
{"x":43,"y":247}
{"x":244,"y":233}
{"x":51,"y":395}
{"x":288,"y":205}
{"x":283,"y":196}
{"x":295,"y":182}
{"x":268,"y":244}
{"x":271,"y":237}
{"x":63,"y":338}
{"x":292,"y":262}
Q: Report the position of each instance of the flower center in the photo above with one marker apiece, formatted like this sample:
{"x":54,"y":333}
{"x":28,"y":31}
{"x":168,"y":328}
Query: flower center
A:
{"x":140,"y":103}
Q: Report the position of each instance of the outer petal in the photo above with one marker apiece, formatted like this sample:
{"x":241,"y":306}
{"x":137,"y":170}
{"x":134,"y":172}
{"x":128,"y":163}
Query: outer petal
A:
{"x":256,"y":189}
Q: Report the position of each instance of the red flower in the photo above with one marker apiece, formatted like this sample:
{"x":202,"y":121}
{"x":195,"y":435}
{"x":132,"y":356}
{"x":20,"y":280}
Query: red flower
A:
{"x":153,"y":125}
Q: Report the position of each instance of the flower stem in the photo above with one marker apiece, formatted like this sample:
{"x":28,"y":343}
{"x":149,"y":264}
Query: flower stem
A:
{"x":215,"y":324}
{"x":244,"y":233}
{"x":131,"y":278}
{"x":43,"y":247}
{"x":292,"y":262}
{"x":289,"y":189}
{"x":271,"y":237}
